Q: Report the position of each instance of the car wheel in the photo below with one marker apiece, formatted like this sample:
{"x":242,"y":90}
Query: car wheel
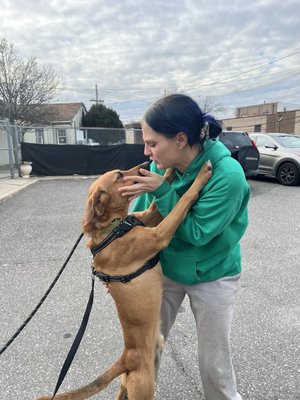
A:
{"x":288,"y":174}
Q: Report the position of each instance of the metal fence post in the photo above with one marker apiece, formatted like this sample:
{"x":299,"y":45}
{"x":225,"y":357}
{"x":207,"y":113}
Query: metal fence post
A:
{"x":10,"y":150}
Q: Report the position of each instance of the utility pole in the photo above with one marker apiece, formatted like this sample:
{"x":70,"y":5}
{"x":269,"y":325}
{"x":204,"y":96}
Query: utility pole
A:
{"x":97,"y":100}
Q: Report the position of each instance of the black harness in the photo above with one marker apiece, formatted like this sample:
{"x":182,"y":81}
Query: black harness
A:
{"x":124,"y":226}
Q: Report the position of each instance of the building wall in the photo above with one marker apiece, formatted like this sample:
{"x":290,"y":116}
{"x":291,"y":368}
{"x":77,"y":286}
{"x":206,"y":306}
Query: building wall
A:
{"x":77,"y":120}
{"x":246,"y":124}
{"x":50,"y":135}
{"x":297,"y":122}
{"x":283,"y":121}
{"x":286,"y":121}
{"x":256,"y":110}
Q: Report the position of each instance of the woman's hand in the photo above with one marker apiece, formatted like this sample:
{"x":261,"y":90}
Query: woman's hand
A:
{"x":145,"y":183}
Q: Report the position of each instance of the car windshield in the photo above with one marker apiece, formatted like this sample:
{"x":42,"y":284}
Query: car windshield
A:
{"x":289,"y":141}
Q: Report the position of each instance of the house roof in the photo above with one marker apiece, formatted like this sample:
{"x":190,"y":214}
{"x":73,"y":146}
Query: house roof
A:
{"x":61,"y":112}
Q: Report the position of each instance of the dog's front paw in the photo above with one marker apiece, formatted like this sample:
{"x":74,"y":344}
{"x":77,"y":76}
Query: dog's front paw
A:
{"x":206,"y":171}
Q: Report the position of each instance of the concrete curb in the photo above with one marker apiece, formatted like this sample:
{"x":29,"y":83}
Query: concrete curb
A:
{"x":9,"y":187}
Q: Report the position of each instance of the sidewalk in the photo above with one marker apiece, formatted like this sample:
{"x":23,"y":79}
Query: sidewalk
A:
{"x":8,"y":187}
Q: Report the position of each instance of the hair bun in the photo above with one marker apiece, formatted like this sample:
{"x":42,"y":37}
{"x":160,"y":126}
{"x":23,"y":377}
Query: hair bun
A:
{"x":214,"y":126}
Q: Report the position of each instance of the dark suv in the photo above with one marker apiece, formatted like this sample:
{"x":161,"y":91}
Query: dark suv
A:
{"x":243,"y":149}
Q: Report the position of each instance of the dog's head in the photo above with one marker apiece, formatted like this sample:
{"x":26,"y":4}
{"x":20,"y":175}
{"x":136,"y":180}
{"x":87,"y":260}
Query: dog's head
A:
{"x":105,"y":203}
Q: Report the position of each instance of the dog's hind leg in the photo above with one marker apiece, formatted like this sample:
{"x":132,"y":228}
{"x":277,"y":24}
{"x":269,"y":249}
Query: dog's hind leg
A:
{"x":141,"y":384}
{"x":94,"y":387}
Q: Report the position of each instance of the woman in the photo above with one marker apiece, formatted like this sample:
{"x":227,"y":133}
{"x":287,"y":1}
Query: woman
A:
{"x":203,"y":260}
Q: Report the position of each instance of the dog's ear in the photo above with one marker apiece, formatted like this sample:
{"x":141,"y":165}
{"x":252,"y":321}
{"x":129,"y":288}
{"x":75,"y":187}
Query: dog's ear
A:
{"x":95,"y":207}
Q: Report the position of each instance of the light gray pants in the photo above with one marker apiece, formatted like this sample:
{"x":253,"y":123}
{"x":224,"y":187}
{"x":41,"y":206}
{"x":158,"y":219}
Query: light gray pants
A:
{"x":212,"y":304}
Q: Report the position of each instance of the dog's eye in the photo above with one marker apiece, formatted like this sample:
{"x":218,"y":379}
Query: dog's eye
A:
{"x":120,"y":175}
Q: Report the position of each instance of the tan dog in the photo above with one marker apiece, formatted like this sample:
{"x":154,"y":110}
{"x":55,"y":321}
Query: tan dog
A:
{"x":138,"y":301}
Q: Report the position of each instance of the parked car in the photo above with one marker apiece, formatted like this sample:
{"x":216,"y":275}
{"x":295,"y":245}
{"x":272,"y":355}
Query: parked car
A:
{"x":243,"y":149}
{"x":279,"y":156}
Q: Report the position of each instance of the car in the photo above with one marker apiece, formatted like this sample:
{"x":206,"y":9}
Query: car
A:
{"x":279,"y":156}
{"x":243,"y":149}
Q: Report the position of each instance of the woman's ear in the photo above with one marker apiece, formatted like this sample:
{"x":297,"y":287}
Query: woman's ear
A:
{"x":181,"y":140}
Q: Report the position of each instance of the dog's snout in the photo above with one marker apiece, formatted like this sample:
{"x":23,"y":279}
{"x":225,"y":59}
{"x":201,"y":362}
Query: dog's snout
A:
{"x":145,"y":165}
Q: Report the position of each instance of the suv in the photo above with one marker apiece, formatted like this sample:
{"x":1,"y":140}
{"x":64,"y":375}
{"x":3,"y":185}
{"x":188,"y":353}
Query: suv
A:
{"x":279,"y":156}
{"x":243,"y":149}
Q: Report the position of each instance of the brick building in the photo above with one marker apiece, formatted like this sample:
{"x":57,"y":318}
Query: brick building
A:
{"x":264,"y":118}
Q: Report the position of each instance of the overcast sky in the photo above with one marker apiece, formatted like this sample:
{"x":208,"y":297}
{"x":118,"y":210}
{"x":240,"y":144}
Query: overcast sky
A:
{"x":236,"y":52}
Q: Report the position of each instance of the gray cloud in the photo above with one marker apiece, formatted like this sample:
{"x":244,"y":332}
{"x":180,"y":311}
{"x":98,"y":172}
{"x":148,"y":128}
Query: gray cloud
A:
{"x":134,"y":50}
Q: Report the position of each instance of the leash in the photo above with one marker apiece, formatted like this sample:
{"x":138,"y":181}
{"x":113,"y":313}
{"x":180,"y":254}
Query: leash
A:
{"x":77,"y":340}
{"x":43,"y":298}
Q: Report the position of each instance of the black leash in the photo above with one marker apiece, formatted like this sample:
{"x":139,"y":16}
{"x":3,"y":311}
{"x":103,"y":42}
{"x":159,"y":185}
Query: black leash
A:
{"x":77,"y":340}
{"x":42,"y":299}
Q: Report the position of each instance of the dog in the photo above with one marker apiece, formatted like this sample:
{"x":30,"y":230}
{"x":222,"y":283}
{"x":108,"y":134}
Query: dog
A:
{"x":138,"y":301}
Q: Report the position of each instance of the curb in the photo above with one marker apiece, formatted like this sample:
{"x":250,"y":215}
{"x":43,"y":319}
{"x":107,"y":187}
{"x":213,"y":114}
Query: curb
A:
{"x":9,"y":187}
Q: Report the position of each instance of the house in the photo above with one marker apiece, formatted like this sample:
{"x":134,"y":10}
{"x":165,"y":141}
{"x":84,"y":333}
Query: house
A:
{"x":60,"y":124}
{"x":264,"y":118}
{"x":134,"y":132}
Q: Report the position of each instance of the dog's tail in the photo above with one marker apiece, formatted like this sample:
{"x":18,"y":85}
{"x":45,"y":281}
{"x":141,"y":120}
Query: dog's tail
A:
{"x":85,"y":392}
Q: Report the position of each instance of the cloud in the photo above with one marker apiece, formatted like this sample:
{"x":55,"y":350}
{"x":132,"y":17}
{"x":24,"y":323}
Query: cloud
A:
{"x":136,"y":50}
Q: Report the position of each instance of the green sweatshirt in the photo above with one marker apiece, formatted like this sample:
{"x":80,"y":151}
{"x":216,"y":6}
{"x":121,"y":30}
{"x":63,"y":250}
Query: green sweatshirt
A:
{"x":206,"y":245}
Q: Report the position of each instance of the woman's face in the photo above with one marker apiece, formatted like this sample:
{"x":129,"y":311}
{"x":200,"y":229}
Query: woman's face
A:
{"x":160,"y":149}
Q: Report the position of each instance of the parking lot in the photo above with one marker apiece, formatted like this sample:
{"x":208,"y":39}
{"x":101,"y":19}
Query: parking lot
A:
{"x":40,"y":225}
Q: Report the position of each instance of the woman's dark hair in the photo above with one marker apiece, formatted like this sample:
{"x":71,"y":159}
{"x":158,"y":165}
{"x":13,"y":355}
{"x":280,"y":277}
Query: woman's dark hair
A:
{"x":180,"y":113}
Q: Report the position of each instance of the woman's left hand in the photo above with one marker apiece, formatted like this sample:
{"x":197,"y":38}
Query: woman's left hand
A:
{"x":145,"y":183}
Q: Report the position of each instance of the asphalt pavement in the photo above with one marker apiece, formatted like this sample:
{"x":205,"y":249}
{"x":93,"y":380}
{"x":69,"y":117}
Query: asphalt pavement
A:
{"x":40,"y":222}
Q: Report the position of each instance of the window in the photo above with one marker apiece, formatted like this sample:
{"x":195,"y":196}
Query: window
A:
{"x":263,"y":141}
{"x":39,"y":135}
{"x":257,"y":128}
{"x":61,"y":136}
{"x":229,"y":128}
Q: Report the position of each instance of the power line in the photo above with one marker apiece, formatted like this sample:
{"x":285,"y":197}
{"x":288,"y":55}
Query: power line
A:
{"x":245,"y":72}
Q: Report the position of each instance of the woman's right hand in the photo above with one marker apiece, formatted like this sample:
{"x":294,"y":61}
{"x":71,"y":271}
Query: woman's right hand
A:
{"x":147,"y":182}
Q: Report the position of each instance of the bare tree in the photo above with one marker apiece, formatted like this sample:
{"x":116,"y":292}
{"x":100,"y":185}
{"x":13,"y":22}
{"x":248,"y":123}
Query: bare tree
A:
{"x":24,"y":86}
{"x":208,"y":104}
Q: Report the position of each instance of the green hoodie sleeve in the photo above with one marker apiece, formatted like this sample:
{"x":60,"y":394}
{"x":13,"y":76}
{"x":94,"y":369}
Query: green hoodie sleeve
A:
{"x":142,"y":202}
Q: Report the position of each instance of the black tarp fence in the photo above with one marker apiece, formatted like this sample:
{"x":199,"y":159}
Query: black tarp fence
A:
{"x":55,"y":160}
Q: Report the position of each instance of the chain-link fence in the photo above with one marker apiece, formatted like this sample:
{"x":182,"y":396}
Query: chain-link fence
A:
{"x":12,"y":135}
{"x":65,"y":135}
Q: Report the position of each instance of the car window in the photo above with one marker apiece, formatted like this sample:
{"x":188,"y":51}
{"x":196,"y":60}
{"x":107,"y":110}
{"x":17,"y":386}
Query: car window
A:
{"x":289,"y":141}
{"x":235,"y":139}
{"x":263,"y":141}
